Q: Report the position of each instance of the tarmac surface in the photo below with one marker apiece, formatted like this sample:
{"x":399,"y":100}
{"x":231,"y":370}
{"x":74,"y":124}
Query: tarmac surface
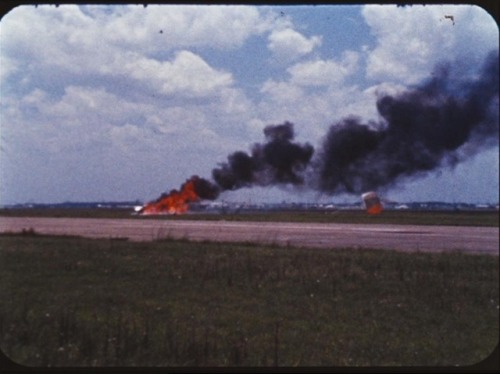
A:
{"x":484,"y":240}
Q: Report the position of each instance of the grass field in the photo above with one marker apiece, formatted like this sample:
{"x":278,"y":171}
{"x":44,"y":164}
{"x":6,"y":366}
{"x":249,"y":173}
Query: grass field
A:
{"x":70,"y":301}
{"x":409,"y":217}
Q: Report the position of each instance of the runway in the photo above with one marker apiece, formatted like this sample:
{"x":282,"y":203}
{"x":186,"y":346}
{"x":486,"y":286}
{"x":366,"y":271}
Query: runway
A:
{"x":313,"y":235}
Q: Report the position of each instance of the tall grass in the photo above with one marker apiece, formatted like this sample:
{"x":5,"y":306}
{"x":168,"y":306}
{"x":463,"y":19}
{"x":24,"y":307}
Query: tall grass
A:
{"x":84,"y":302}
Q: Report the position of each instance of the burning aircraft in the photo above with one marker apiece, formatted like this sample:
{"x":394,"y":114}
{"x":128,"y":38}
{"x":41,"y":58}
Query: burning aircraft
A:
{"x":437,"y":124}
{"x":177,"y":201}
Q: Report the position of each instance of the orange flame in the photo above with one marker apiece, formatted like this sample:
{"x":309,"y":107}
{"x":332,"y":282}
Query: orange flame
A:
{"x":375,"y":209}
{"x":372,"y":203}
{"x":176,"y":202}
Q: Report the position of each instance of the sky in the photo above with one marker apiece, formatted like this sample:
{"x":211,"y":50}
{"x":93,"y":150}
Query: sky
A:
{"x":125,"y":102}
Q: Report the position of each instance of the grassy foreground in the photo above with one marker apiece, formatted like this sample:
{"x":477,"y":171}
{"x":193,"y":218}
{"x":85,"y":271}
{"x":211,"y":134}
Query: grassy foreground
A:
{"x":86,"y":302}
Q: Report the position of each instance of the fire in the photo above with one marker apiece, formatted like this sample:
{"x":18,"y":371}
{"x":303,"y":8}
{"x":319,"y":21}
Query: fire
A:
{"x":177,"y":202}
{"x":372,"y":203}
{"x":376,"y":209}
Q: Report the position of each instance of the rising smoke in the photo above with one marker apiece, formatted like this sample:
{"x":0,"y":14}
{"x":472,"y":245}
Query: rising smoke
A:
{"x":436,"y":124}
{"x":278,"y":161}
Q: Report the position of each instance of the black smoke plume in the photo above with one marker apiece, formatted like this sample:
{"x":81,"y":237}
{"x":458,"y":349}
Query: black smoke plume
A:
{"x":204,"y":188}
{"x":437,"y":124}
{"x":279,"y":160}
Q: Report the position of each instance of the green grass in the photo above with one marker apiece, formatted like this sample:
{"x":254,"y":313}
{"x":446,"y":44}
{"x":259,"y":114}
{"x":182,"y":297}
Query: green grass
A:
{"x":408,"y":217}
{"x":449,"y":218}
{"x":85,"y":302}
{"x":66,"y":212}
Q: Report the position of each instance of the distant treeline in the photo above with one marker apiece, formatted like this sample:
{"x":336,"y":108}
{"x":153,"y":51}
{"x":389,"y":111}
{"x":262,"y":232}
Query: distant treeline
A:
{"x":423,"y":205}
{"x":78,"y":205}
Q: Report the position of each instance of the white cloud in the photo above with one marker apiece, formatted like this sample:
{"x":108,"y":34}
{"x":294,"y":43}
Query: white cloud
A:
{"x":89,"y":107}
{"x":412,"y":39}
{"x":178,"y":120}
{"x":324,"y":72}
{"x":9,"y":68}
{"x":187,"y":74}
{"x":174,"y":26}
{"x":36,"y":98}
{"x":385,"y":89}
{"x":315,"y":94}
{"x":82,"y":121}
{"x":282,"y":92}
{"x":288,"y":44}
{"x":46,"y":35}
{"x":91,"y":89}
{"x":127,"y":136}
{"x":309,"y":74}
{"x":313,"y":110}
{"x":89,"y":40}
{"x":137,"y":98}
{"x":132,"y":26}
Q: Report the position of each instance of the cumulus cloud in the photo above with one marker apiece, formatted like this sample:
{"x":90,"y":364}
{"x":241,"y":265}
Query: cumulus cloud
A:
{"x":314,"y":108}
{"x":145,"y":29}
{"x":324,"y":72}
{"x":47,"y":36}
{"x":175,"y":26}
{"x":282,"y":92}
{"x":86,"y":44}
{"x":315,"y":93}
{"x":79,"y":119}
{"x":411,"y":40}
{"x":90,"y":107}
{"x":81,"y":73}
{"x":116,"y":94}
{"x":187,"y":74}
{"x":288,"y":44}
{"x":329,"y":73}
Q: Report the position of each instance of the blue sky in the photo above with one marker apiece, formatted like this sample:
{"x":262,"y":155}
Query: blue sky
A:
{"x":126,"y":102}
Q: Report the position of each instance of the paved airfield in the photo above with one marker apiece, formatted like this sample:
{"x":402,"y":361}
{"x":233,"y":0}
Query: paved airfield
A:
{"x":313,"y":235}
